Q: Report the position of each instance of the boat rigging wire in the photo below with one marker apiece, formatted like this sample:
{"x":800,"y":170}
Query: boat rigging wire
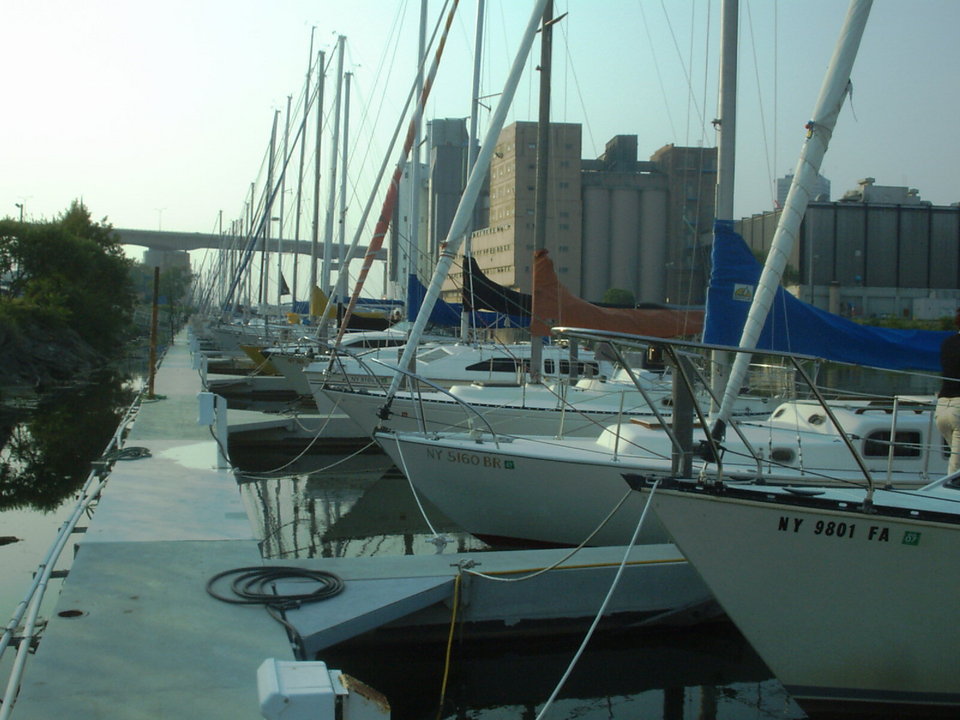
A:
{"x":603,"y":607}
{"x":438,"y":540}
{"x":558,"y":563}
{"x":763,"y":122}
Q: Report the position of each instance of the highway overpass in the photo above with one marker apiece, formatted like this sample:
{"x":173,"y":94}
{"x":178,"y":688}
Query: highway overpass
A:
{"x":170,"y":240}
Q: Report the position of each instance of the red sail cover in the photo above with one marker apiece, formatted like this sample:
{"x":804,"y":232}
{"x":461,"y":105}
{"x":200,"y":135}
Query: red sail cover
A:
{"x":554,"y":305}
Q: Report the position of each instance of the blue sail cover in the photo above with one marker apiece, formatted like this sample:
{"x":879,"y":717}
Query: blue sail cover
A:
{"x":798,"y":327}
{"x":448,"y":314}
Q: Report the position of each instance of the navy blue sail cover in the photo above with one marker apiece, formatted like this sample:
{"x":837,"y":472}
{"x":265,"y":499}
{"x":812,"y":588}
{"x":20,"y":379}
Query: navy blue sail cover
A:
{"x":448,"y":314}
{"x":798,"y":327}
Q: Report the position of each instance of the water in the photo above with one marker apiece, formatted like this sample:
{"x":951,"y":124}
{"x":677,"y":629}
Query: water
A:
{"x":46,"y":445}
{"x":361,"y":506}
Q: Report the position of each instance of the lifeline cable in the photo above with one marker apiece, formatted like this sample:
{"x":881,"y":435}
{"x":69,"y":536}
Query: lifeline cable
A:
{"x":566,"y":557}
{"x":602,"y":610}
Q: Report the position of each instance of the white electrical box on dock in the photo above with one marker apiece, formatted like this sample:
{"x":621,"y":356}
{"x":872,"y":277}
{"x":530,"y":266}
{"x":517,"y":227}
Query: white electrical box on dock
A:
{"x":309,"y":691}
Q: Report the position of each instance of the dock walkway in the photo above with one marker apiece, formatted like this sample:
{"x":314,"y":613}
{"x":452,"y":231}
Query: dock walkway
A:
{"x":134,"y":633}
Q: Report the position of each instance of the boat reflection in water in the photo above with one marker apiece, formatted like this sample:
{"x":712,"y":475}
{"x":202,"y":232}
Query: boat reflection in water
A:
{"x":361,"y":506}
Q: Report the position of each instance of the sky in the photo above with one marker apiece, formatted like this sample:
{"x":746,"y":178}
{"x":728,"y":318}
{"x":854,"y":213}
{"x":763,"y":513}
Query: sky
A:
{"x":159,"y":115}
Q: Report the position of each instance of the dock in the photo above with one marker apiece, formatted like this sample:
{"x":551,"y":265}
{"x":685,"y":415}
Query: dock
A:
{"x":135,"y":633}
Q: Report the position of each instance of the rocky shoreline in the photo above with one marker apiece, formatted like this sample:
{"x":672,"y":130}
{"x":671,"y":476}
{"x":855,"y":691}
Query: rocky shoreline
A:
{"x":34,"y":357}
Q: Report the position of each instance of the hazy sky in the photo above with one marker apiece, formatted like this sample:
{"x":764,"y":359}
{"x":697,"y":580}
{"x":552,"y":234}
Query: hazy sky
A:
{"x":159,"y":114}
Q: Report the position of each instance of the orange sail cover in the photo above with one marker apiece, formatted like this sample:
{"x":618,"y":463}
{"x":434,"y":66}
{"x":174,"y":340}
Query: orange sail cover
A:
{"x":554,"y":305}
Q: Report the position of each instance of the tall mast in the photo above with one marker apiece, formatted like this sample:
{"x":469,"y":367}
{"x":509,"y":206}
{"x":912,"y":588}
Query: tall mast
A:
{"x":726,"y":125}
{"x":315,"y":235}
{"x":471,"y":160}
{"x":834,"y":90}
{"x":543,"y":154}
{"x":332,"y":179}
{"x":283,"y":192}
{"x":461,"y":218}
{"x":413,"y":226}
{"x":303,"y":152}
{"x":268,"y":213}
{"x":343,"y":274}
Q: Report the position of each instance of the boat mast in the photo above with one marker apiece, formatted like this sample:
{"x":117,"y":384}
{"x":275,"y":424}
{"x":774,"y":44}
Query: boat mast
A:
{"x":413,"y":226}
{"x":543,"y":155}
{"x":283,"y":192}
{"x":461,"y":218}
{"x":471,"y":160}
{"x":334,"y":151}
{"x":726,"y":126}
{"x":342,"y":269}
{"x":835,"y":86}
{"x":315,"y":230}
{"x":263,"y":294}
{"x":303,"y":151}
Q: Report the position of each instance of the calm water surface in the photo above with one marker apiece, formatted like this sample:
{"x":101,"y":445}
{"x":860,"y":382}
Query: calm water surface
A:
{"x":361,"y":506}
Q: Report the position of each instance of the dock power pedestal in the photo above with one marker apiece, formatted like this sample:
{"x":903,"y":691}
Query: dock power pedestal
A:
{"x":291,"y":690}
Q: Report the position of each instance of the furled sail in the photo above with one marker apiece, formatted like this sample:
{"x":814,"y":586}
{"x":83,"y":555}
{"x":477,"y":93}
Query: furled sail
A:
{"x":554,"y":305}
{"x":482,"y":293}
{"x":798,"y":327}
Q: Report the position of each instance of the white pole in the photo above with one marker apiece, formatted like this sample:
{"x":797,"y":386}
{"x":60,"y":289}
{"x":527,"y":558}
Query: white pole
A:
{"x":462,"y":217}
{"x":726,"y":154}
{"x":819,"y":131}
{"x":334,"y":151}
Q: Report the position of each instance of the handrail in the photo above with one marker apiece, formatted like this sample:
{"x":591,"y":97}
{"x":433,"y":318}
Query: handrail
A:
{"x":420,"y":379}
{"x":33,"y":598}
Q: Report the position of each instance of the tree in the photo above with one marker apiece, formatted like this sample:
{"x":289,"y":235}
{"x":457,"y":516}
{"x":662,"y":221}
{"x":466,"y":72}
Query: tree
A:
{"x":69,"y":273}
{"x":618,"y":296}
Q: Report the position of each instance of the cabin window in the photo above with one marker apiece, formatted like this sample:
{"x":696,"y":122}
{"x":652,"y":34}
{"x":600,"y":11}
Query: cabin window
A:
{"x":431,"y":355}
{"x":383,"y":343}
{"x":583,"y":368}
{"x":905,"y":444}
{"x":500,"y":364}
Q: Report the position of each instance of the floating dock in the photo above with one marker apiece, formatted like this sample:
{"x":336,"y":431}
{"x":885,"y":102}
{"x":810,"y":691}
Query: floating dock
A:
{"x":135,"y":634}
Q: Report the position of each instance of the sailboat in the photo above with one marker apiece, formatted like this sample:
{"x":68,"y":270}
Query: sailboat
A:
{"x":555,"y":489}
{"x":845,"y":594}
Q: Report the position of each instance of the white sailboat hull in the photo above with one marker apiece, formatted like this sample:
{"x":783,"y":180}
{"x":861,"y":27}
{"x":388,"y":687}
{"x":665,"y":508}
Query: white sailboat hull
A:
{"x":843,"y":606}
{"x":506,"y":498}
{"x":534,"y":409}
{"x":556,"y":491}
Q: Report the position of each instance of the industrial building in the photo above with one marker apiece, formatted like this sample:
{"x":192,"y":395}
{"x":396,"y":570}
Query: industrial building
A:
{"x":612,"y":222}
{"x":646,"y":227}
{"x":878,"y":251}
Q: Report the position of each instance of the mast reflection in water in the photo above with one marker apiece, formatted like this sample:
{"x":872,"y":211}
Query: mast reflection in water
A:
{"x":361,"y":506}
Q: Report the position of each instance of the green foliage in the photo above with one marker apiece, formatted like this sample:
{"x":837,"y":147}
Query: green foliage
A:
{"x":70,"y":272}
{"x":901,"y":323}
{"x":618,"y":296}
